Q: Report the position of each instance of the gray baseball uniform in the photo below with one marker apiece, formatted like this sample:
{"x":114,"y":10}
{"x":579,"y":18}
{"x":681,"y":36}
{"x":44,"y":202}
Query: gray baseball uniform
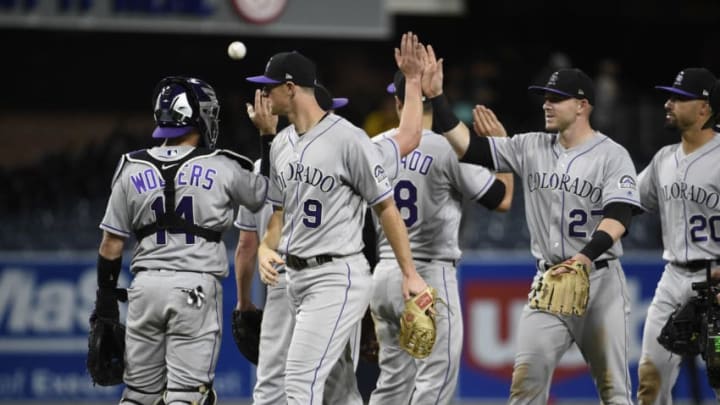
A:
{"x":323,"y":180}
{"x":565,"y":193}
{"x":276,"y":332}
{"x":429,"y":186}
{"x":174,"y":314}
{"x":684,"y":190}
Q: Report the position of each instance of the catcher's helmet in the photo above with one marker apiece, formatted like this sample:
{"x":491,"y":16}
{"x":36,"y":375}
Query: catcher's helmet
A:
{"x":183,"y":103}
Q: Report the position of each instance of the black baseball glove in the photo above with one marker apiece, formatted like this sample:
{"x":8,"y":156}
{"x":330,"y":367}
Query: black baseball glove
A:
{"x":246,"y":332}
{"x":106,"y":342}
{"x":106,"y":350}
{"x":682,"y":330}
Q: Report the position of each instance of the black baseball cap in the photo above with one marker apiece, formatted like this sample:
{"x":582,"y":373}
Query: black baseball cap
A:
{"x":572,"y":83}
{"x":288,"y":67}
{"x":715,"y":97}
{"x":326,"y":101}
{"x":397,"y":87}
{"x":693,"y":83}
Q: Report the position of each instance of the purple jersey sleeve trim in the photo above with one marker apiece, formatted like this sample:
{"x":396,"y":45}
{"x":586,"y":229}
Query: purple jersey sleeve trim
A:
{"x":276,"y":203}
{"x":623,"y":199}
{"x":114,"y":231}
{"x":380,"y":198}
{"x":484,"y":188}
{"x":245,"y":227}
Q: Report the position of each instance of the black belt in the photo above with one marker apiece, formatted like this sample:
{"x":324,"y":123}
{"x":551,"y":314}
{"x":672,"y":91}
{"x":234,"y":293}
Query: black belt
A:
{"x":696,"y":265}
{"x":298,"y":263}
{"x":420,"y":259}
{"x":141,"y":269}
{"x":599,"y":264}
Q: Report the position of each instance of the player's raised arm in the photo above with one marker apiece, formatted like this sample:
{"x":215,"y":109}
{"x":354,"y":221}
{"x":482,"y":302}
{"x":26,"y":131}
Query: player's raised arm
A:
{"x":444,"y":120}
{"x":411,"y":60}
{"x":468,"y":148}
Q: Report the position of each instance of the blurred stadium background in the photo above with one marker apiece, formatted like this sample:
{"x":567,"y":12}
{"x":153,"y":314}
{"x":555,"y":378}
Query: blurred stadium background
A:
{"x":79,"y":75}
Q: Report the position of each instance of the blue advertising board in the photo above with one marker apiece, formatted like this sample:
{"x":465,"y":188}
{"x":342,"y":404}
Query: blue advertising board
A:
{"x":45,"y":302}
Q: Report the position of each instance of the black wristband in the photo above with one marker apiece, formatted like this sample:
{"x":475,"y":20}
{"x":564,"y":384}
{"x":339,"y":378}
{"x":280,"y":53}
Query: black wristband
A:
{"x":108,"y":272}
{"x":494,"y":196}
{"x":478,"y":152}
{"x":444,"y":118}
{"x":265,"y":143}
{"x":599,"y":243}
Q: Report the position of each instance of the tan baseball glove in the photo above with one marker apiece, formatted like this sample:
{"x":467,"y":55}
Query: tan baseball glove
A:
{"x":564,"y":294}
{"x":417,"y":324}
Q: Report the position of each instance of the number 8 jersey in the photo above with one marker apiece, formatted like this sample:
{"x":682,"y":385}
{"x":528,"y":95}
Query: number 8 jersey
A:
{"x":430,"y":184}
{"x":566,"y":190}
{"x":686,"y":192}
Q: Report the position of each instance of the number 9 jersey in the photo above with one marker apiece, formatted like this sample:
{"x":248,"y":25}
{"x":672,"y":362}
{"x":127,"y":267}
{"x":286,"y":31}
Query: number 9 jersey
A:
{"x":324,"y":180}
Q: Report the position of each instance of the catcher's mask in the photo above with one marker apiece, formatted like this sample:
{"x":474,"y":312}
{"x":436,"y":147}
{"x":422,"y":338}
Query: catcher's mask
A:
{"x":183,"y":103}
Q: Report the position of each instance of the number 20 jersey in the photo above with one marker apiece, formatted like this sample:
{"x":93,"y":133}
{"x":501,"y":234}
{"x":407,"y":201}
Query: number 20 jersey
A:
{"x":685,"y":189}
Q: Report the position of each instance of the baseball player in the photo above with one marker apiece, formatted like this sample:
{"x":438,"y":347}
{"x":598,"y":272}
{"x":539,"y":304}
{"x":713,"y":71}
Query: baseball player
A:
{"x":429,"y":187}
{"x":323,"y":172}
{"x":580,"y":192}
{"x":680,"y":183}
{"x":278,"y":319}
{"x":176,"y":199}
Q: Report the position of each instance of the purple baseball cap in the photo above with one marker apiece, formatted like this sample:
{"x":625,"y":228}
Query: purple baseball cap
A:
{"x":693,"y":83}
{"x":571,"y":83}
{"x":288,"y":67}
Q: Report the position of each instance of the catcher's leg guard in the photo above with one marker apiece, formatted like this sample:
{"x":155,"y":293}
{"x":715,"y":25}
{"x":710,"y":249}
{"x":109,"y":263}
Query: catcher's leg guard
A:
{"x":136,"y":396}
{"x":202,"y":395}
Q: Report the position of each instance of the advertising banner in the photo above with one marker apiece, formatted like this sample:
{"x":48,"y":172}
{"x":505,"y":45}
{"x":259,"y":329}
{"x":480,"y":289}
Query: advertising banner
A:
{"x":45,"y":303}
{"x":493,"y":293}
{"x":44,"y":308}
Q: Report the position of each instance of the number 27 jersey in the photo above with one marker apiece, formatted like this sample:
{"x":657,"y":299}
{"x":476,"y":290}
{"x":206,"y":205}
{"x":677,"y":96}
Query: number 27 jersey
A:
{"x":566,"y":190}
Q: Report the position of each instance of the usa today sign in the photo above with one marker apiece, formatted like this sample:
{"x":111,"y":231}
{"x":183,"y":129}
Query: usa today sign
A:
{"x":316,"y":18}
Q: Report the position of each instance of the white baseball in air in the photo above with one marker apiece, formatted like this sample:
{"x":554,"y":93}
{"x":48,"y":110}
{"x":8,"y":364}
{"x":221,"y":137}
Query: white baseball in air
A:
{"x":237,"y":50}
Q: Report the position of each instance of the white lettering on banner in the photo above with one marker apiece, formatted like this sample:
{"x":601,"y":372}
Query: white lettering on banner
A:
{"x":50,"y":315}
{"x":16,"y":290}
{"x":492,"y":347}
{"x":47,"y":383}
{"x":11,"y":384}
